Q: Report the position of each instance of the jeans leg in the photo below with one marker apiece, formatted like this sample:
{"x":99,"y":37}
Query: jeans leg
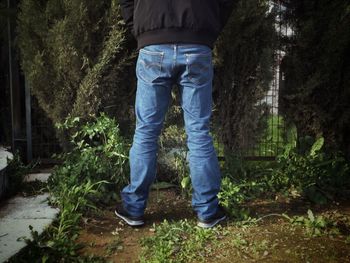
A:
{"x":152,"y":99}
{"x":196,"y":100}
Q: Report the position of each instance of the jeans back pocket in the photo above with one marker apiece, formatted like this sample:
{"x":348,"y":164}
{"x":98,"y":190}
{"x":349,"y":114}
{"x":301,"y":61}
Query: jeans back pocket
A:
{"x":199,"y":67}
{"x":149,"y":65}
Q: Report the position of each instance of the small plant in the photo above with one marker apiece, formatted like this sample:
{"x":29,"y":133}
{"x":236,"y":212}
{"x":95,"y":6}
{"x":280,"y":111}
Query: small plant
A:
{"x":311,"y":172}
{"x":93,"y":171}
{"x":16,"y":171}
{"x":178,"y":242}
{"x":58,"y":242}
{"x":255,"y":248}
{"x":183,"y":173}
{"x":99,"y":154}
{"x":231,"y":197}
{"x":314,"y":225}
{"x":304,"y":171}
{"x":115,"y":245}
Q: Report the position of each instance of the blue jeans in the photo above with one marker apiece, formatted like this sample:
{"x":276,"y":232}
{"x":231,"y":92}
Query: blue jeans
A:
{"x":158,"y":67}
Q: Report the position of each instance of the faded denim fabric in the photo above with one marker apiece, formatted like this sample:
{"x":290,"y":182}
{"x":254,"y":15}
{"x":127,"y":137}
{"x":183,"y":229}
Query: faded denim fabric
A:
{"x":158,"y":68}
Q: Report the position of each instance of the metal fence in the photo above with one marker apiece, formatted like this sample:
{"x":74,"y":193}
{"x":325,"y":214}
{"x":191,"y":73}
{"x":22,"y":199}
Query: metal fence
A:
{"x":271,"y":142}
{"x":44,"y":141}
{"x":41,"y":140}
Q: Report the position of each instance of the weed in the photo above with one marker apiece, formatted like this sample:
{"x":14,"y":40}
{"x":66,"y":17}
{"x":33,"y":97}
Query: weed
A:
{"x":307,"y":172}
{"x":315,"y":225}
{"x":183,"y":173}
{"x":16,"y":171}
{"x":99,"y":153}
{"x":238,"y":241}
{"x":313,"y":173}
{"x":178,"y":242}
{"x":115,"y":245}
{"x":252,"y":249}
{"x":97,"y":161}
{"x":58,"y":242}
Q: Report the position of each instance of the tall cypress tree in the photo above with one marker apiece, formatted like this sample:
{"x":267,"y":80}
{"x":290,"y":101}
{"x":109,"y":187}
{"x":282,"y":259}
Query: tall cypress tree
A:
{"x":77,"y":57}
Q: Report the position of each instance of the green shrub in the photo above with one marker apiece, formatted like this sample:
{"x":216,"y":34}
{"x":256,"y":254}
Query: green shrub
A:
{"x":77,"y":57}
{"x":99,"y":154}
{"x":317,"y":71}
{"x":16,"y":171}
{"x":243,"y":71}
{"x":58,"y":242}
{"x":318,"y":175}
{"x":299,"y":171}
{"x":318,"y":225}
{"x":173,"y":166}
{"x":92,"y":172}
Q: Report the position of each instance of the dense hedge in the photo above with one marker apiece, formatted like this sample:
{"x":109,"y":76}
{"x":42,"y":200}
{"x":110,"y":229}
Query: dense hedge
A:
{"x":80,"y":60}
{"x":244,"y":54}
{"x":77,"y":56}
{"x":317,"y":69}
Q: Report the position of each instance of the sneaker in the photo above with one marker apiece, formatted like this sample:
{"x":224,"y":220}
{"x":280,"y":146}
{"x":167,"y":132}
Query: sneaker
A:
{"x":129,"y":219}
{"x":215,"y":219}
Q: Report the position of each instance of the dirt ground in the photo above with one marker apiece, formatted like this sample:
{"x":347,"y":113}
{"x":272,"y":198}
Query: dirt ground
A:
{"x":272,"y":239}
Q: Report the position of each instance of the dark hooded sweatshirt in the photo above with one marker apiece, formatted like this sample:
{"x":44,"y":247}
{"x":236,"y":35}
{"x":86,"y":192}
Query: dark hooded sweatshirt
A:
{"x":175,"y":21}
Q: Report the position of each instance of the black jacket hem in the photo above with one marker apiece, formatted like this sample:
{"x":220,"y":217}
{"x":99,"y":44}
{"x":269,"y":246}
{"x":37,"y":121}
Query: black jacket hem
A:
{"x":173,"y":35}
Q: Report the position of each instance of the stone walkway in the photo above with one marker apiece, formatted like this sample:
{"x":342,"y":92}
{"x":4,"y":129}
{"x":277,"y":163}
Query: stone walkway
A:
{"x":17,"y":214}
{"x":4,"y":155}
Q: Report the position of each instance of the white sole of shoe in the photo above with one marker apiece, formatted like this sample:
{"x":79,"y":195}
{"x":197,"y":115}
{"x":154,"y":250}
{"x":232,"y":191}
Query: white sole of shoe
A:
{"x":211,"y":224}
{"x":129,"y":221}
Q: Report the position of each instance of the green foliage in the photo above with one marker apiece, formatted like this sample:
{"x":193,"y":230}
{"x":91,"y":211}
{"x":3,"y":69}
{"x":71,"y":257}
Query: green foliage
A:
{"x":58,"y":242}
{"x":318,"y":175}
{"x":99,"y":154}
{"x":241,"y":182}
{"x":183,"y":173}
{"x":231,"y":196}
{"x":16,"y":171}
{"x":315,"y":225}
{"x":316,"y":93}
{"x":178,"y":242}
{"x":243,"y":62}
{"x":273,"y":137}
{"x":253,"y":248}
{"x":304,"y":171}
{"x":173,"y":152}
{"x":77,"y":57}
{"x":92,"y":172}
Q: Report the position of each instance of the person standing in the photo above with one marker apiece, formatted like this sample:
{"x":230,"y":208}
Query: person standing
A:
{"x":175,"y":39}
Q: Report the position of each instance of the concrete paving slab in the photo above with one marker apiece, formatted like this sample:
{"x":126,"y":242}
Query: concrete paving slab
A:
{"x":15,"y":218}
{"x":11,"y":240}
{"x":42,"y":177}
{"x":4,"y":154}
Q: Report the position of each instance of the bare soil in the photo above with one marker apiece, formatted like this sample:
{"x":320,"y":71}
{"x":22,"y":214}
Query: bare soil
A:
{"x":272,"y":239}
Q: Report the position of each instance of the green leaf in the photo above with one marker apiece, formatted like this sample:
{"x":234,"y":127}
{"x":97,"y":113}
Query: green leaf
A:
{"x":310,"y":215}
{"x":185,"y":182}
{"x":317,"y":146}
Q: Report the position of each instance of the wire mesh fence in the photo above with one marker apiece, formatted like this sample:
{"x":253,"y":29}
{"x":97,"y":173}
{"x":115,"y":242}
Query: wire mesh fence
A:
{"x":272,"y":139}
{"x":269,"y":144}
{"x":44,"y":141}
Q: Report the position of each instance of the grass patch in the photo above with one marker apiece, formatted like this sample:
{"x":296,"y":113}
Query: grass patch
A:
{"x":179,"y":242}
